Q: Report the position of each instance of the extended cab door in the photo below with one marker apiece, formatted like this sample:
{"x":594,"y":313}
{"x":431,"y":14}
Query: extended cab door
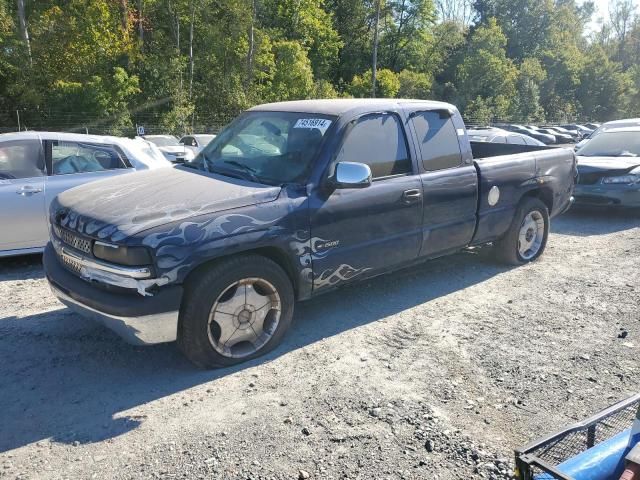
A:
{"x":22,"y":205}
{"x":359,"y":232}
{"x":449,"y":182}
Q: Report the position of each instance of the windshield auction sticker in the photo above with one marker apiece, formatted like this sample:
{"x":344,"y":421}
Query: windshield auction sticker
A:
{"x":320,"y":123}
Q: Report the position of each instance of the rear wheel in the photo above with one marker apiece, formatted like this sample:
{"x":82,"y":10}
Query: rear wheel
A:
{"x":527,"y":236}
{"x":238,"y":309}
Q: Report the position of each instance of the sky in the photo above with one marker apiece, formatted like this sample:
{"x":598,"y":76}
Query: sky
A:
{"x":602,"y":10}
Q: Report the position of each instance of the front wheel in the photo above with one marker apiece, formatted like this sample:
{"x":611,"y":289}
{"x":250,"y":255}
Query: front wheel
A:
{"x":236,"y":310}
{"x":527,"y":236}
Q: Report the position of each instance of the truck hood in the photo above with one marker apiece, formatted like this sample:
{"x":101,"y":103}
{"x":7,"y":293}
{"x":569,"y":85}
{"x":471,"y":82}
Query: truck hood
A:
{"x":120,"y":207}
{"x":607,"y":164}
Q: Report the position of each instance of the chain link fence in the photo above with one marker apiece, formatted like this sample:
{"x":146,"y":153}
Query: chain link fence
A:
{"x":77,"y":122}
{"x":155,"y":123}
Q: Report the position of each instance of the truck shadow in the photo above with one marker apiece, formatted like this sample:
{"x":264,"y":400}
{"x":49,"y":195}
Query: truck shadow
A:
{"x":584,"y":222}
{"x":69,"y":380}
{"x":21,"y":267}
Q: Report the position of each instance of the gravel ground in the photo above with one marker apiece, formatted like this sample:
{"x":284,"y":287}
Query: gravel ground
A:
{"x":435,"y":372}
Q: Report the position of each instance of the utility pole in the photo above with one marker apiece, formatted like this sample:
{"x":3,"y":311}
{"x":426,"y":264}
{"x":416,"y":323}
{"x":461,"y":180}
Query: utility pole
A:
{"x":18,"y":114}
{"x":374,"y":69}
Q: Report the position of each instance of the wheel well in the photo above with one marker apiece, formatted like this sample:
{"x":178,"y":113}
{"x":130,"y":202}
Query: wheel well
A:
{"x":543,"y":194}
{"x":272,"y":253}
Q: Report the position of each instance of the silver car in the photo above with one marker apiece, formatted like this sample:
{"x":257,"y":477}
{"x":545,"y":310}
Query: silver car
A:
{"x":196,"y":142}
{"x":497,"y":135}
{"x":36,"y":166}
{"x":171,"y":148}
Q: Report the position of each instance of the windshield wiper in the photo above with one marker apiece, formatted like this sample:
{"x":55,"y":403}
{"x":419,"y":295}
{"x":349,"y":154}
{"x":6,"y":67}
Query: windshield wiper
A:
{"x":245,"y":168}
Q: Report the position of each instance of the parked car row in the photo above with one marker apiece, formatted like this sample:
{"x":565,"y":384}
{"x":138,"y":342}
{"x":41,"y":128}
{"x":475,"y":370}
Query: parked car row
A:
{"x":552,"y":134}
{"x":180,"y":151}
{"x":498,"y":135}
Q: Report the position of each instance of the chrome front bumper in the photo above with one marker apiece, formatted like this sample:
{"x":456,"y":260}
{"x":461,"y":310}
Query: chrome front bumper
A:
{"x":141,"y":330}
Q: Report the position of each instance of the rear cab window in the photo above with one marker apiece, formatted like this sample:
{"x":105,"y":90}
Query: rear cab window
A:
{"x":437,"y":137}
{"x":377,"y":140}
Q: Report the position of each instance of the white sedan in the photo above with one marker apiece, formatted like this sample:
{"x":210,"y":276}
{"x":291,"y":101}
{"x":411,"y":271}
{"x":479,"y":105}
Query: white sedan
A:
{"x":171,"y":148}
{"x":196,"y":142}
{"x":37,"y":166}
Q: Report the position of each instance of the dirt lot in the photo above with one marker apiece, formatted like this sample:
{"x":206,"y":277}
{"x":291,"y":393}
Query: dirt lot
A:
{"x":436,"y":372}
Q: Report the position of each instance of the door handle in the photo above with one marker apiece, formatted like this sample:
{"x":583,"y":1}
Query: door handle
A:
{"x":411,"y":196}
{"x":28,"y":190}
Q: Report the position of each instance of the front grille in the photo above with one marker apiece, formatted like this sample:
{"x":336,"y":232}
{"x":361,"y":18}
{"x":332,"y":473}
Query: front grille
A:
{"x":70,"y":264}
{"x":73,"y":240}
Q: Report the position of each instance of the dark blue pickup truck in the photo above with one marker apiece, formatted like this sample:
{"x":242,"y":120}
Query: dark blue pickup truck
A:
{"x":292,"y":200}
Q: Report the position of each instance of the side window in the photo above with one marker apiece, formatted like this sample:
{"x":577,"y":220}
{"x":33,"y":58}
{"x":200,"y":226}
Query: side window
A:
{"x":378,"y":141}
{"x":78,"y":157}
{"x":21,"y":159}
{"x":438,"y":140}
{"x":499,"y":139}
{"x":516,"y":139}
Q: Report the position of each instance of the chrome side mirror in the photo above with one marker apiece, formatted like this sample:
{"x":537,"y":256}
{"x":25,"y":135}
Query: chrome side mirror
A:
{"x":351,"y":175}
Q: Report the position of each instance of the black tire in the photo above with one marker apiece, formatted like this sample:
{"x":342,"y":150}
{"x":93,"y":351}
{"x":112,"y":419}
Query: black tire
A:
{"x":507,"y":248}
{"x":205,"y":286}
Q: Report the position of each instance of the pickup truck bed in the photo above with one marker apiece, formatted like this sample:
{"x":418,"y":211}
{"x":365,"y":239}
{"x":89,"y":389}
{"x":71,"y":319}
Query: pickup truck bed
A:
{"x":512,"y":168}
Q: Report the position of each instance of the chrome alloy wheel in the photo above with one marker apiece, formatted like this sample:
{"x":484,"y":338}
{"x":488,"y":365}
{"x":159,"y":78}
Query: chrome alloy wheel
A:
{"x":244,"y":317}
{"x":531,"y":235}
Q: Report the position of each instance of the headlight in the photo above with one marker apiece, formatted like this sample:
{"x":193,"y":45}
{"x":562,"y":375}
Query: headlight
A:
{"x":122,"y":255}
{"x":625,"y":179}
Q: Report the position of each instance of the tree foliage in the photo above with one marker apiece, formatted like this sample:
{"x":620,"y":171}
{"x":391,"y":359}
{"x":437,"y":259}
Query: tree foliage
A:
{"x":182,"y":65}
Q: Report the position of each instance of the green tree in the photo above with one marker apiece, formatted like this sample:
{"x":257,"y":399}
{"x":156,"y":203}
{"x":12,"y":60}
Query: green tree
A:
{"x":414,"y":85}
{"x":486,"y":73}
{"x":292,"y":76}
{"x":526,"y":105}
{"x":310,"y":24}
{"x":387,"y":85}
{"x":99,"y":99}
{"x":604,"y":87}
{"x":406,"y":30}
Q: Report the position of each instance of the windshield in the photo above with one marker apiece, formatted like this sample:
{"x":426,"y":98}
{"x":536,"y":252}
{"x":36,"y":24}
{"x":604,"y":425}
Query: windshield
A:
{"x":266,"y":147}
{"x":612,"y":144}
{"x":164,"y":141}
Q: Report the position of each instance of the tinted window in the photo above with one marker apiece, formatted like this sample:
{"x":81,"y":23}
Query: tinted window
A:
{"x":438,"y":140}
{"x":378,"y":141}
{"x":189,"y":141}
{"x":79,"y":157}
{"x":516,"y":140}
{"x":21,"y":159}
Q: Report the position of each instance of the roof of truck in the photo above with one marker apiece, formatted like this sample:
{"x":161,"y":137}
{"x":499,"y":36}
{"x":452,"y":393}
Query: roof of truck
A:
{"x":340,"y":106}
